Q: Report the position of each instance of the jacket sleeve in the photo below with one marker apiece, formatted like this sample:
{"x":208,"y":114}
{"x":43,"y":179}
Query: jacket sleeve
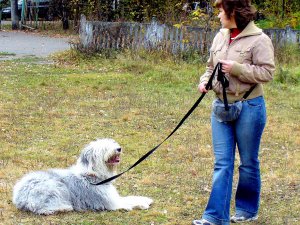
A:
{"x":210,"y":63}
{"x":209,"y":69}
{"x":263,"y":66}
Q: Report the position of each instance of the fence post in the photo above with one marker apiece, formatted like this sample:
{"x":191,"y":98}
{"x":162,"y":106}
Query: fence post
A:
{"x":85,"y":32}
{"x":82,"y":29}
{"x":291,"y":36}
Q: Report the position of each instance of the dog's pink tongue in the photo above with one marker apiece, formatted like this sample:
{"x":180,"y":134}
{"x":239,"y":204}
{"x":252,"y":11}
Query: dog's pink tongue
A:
{"x":115,"y":159}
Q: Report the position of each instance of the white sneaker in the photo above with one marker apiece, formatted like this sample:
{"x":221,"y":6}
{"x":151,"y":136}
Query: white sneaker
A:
{"x":240,"y":219}
{"x":202,"y":222}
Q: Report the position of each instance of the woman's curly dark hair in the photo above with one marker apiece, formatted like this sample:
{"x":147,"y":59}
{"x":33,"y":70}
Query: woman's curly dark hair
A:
{"x":242,"y":10}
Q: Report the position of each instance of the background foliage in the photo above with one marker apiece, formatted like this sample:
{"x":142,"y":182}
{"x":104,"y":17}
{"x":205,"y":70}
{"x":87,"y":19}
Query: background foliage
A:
{"x":272,"y":13}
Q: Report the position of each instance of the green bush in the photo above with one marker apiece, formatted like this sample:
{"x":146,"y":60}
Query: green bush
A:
{"x":287,"y":76}
{"x":288,"y":54}
{"x":287,"y":61}
{"x":273,"y":21}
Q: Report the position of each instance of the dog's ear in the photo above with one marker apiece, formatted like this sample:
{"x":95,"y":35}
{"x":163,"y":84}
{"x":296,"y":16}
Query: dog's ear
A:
{"x":87,"y":158}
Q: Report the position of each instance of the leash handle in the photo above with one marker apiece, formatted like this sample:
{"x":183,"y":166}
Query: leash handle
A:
{"x":209,"y":83}
{"x":208,"y":86}
{"x":225,"y":83}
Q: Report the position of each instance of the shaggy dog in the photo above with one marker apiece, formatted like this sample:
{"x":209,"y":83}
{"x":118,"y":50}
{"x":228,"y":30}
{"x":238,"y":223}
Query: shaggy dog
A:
{"x":58,"y":190}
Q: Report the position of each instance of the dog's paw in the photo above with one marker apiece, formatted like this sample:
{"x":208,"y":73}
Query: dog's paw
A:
{"x":149,"y":201}
{"x":136,"y":202}
{"x":143,"y":202}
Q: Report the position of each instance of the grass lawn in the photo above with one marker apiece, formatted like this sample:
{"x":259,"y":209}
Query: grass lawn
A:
{"x":49,"y":112}
{"x":6,"y":54}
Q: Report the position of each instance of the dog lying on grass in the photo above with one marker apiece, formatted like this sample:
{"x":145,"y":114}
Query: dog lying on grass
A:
{"x":60,"y":190}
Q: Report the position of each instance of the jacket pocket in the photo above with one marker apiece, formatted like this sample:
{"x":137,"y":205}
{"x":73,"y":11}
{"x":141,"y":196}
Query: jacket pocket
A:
{"x":217,"y":51}
{"x":244,"y":54}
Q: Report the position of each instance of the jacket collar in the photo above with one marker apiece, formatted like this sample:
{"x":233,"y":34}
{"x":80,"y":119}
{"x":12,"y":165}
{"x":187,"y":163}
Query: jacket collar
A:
{"x":250,"y":30}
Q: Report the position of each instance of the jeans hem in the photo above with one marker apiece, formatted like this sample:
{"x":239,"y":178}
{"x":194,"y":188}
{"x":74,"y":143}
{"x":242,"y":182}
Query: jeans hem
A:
{"x":215,"y":220}
{"x":245,"y":213}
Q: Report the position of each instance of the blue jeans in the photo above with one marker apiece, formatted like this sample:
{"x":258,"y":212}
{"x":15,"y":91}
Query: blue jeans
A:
{"x":246,"y":133}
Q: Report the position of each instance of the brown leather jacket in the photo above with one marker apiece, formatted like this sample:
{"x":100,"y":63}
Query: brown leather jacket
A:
{"x":253,"y":55}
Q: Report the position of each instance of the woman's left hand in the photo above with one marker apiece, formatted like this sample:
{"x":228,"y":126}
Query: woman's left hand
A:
{"x":226,"y":65}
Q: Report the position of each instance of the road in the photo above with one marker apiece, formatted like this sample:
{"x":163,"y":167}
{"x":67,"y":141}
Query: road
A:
{"x":24,"y":44}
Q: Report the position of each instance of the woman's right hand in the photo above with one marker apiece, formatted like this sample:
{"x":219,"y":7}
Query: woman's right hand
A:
{"x":201,"y":88}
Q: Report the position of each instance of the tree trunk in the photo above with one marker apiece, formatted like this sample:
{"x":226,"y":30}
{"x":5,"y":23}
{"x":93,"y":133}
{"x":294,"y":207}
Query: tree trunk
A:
{"x":283,"y":8}
{"x":0,"y":14}
{"x":65,"y":20}
{"x":14,"y":14}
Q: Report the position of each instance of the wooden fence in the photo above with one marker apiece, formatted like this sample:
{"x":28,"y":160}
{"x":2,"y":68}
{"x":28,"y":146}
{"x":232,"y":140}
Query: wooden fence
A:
{"x":96,"y":35}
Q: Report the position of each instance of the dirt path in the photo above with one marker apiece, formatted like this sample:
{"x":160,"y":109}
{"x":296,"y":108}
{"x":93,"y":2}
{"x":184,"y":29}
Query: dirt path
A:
{"x":24,"y":44}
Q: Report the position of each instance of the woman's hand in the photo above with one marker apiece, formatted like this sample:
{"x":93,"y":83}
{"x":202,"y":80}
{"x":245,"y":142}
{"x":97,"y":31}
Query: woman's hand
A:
{"x":201,"y":88}
{"x":226,"y":65}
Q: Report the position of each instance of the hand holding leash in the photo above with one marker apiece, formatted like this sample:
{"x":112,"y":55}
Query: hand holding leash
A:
{"x":201,"y":88}
{"x":226,"y":65}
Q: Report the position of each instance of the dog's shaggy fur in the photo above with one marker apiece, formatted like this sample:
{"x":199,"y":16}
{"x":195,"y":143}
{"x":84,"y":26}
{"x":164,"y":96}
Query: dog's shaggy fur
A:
{"x":57,"y":190}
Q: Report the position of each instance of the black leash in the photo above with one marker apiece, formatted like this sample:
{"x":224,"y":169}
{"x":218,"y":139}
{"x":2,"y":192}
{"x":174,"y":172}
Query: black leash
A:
{"x":225,"y":83}
{"x":207,"y":87}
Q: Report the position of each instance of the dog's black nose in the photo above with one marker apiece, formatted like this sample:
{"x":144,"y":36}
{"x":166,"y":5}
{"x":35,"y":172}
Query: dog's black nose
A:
{"x":119,"y":149}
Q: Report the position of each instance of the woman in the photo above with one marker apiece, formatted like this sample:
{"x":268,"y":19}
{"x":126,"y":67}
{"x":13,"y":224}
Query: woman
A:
{"x":247,"y":58}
